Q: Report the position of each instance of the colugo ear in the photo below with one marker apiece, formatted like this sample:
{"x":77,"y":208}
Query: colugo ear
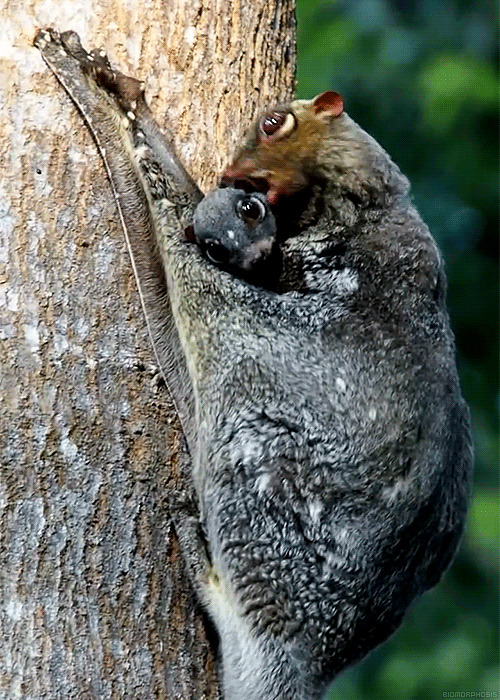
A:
{"x":328,"y":104}
{"x":189,"y":233}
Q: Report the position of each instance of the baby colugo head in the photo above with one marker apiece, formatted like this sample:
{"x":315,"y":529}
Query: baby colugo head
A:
{"x":237,"y":232}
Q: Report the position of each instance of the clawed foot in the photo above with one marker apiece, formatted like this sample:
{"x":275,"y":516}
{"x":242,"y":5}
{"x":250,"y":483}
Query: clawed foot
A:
{"x":191,"y":537}
{"x":57,"y":47}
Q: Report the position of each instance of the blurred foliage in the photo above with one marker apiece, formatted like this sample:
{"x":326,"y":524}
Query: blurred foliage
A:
{"x":422,"y":77}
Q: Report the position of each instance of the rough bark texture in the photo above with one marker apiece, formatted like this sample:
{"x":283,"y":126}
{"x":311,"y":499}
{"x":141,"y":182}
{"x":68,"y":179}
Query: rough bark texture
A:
{"x":93,"y":601}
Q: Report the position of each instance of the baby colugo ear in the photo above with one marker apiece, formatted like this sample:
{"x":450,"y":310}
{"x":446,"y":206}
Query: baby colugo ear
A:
{"x":328,"y":104}
{"x":189,"y":233}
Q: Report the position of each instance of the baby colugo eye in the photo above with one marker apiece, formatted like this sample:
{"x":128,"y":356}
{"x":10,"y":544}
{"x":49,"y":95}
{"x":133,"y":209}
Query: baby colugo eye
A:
{"x":216,"y":252}
{"x":251,"y":210}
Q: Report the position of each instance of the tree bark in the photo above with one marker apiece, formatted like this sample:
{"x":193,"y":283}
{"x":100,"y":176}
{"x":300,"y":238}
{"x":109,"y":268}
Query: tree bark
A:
{"x":94,"y":602}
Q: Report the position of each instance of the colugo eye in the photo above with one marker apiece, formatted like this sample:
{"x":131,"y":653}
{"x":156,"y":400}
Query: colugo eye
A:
{"x":275,"y":125}
{"x":216,"y":252}
{"x":251,"y":210}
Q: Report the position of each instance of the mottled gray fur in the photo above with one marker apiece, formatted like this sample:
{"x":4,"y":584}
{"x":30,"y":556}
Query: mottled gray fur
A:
{"x":329,"y":442}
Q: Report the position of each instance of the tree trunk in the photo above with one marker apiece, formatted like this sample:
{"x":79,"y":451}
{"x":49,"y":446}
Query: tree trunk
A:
{"x":94,"y":602}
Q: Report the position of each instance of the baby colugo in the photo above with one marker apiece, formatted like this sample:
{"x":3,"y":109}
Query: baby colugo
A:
{"x":237,"y":232}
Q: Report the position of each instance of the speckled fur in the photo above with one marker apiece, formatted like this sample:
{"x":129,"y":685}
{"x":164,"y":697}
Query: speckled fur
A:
{"x":331,"y":450}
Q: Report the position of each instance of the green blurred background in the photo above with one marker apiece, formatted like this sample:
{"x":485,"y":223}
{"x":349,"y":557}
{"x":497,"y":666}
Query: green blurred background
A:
{"x":421,"y":76}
